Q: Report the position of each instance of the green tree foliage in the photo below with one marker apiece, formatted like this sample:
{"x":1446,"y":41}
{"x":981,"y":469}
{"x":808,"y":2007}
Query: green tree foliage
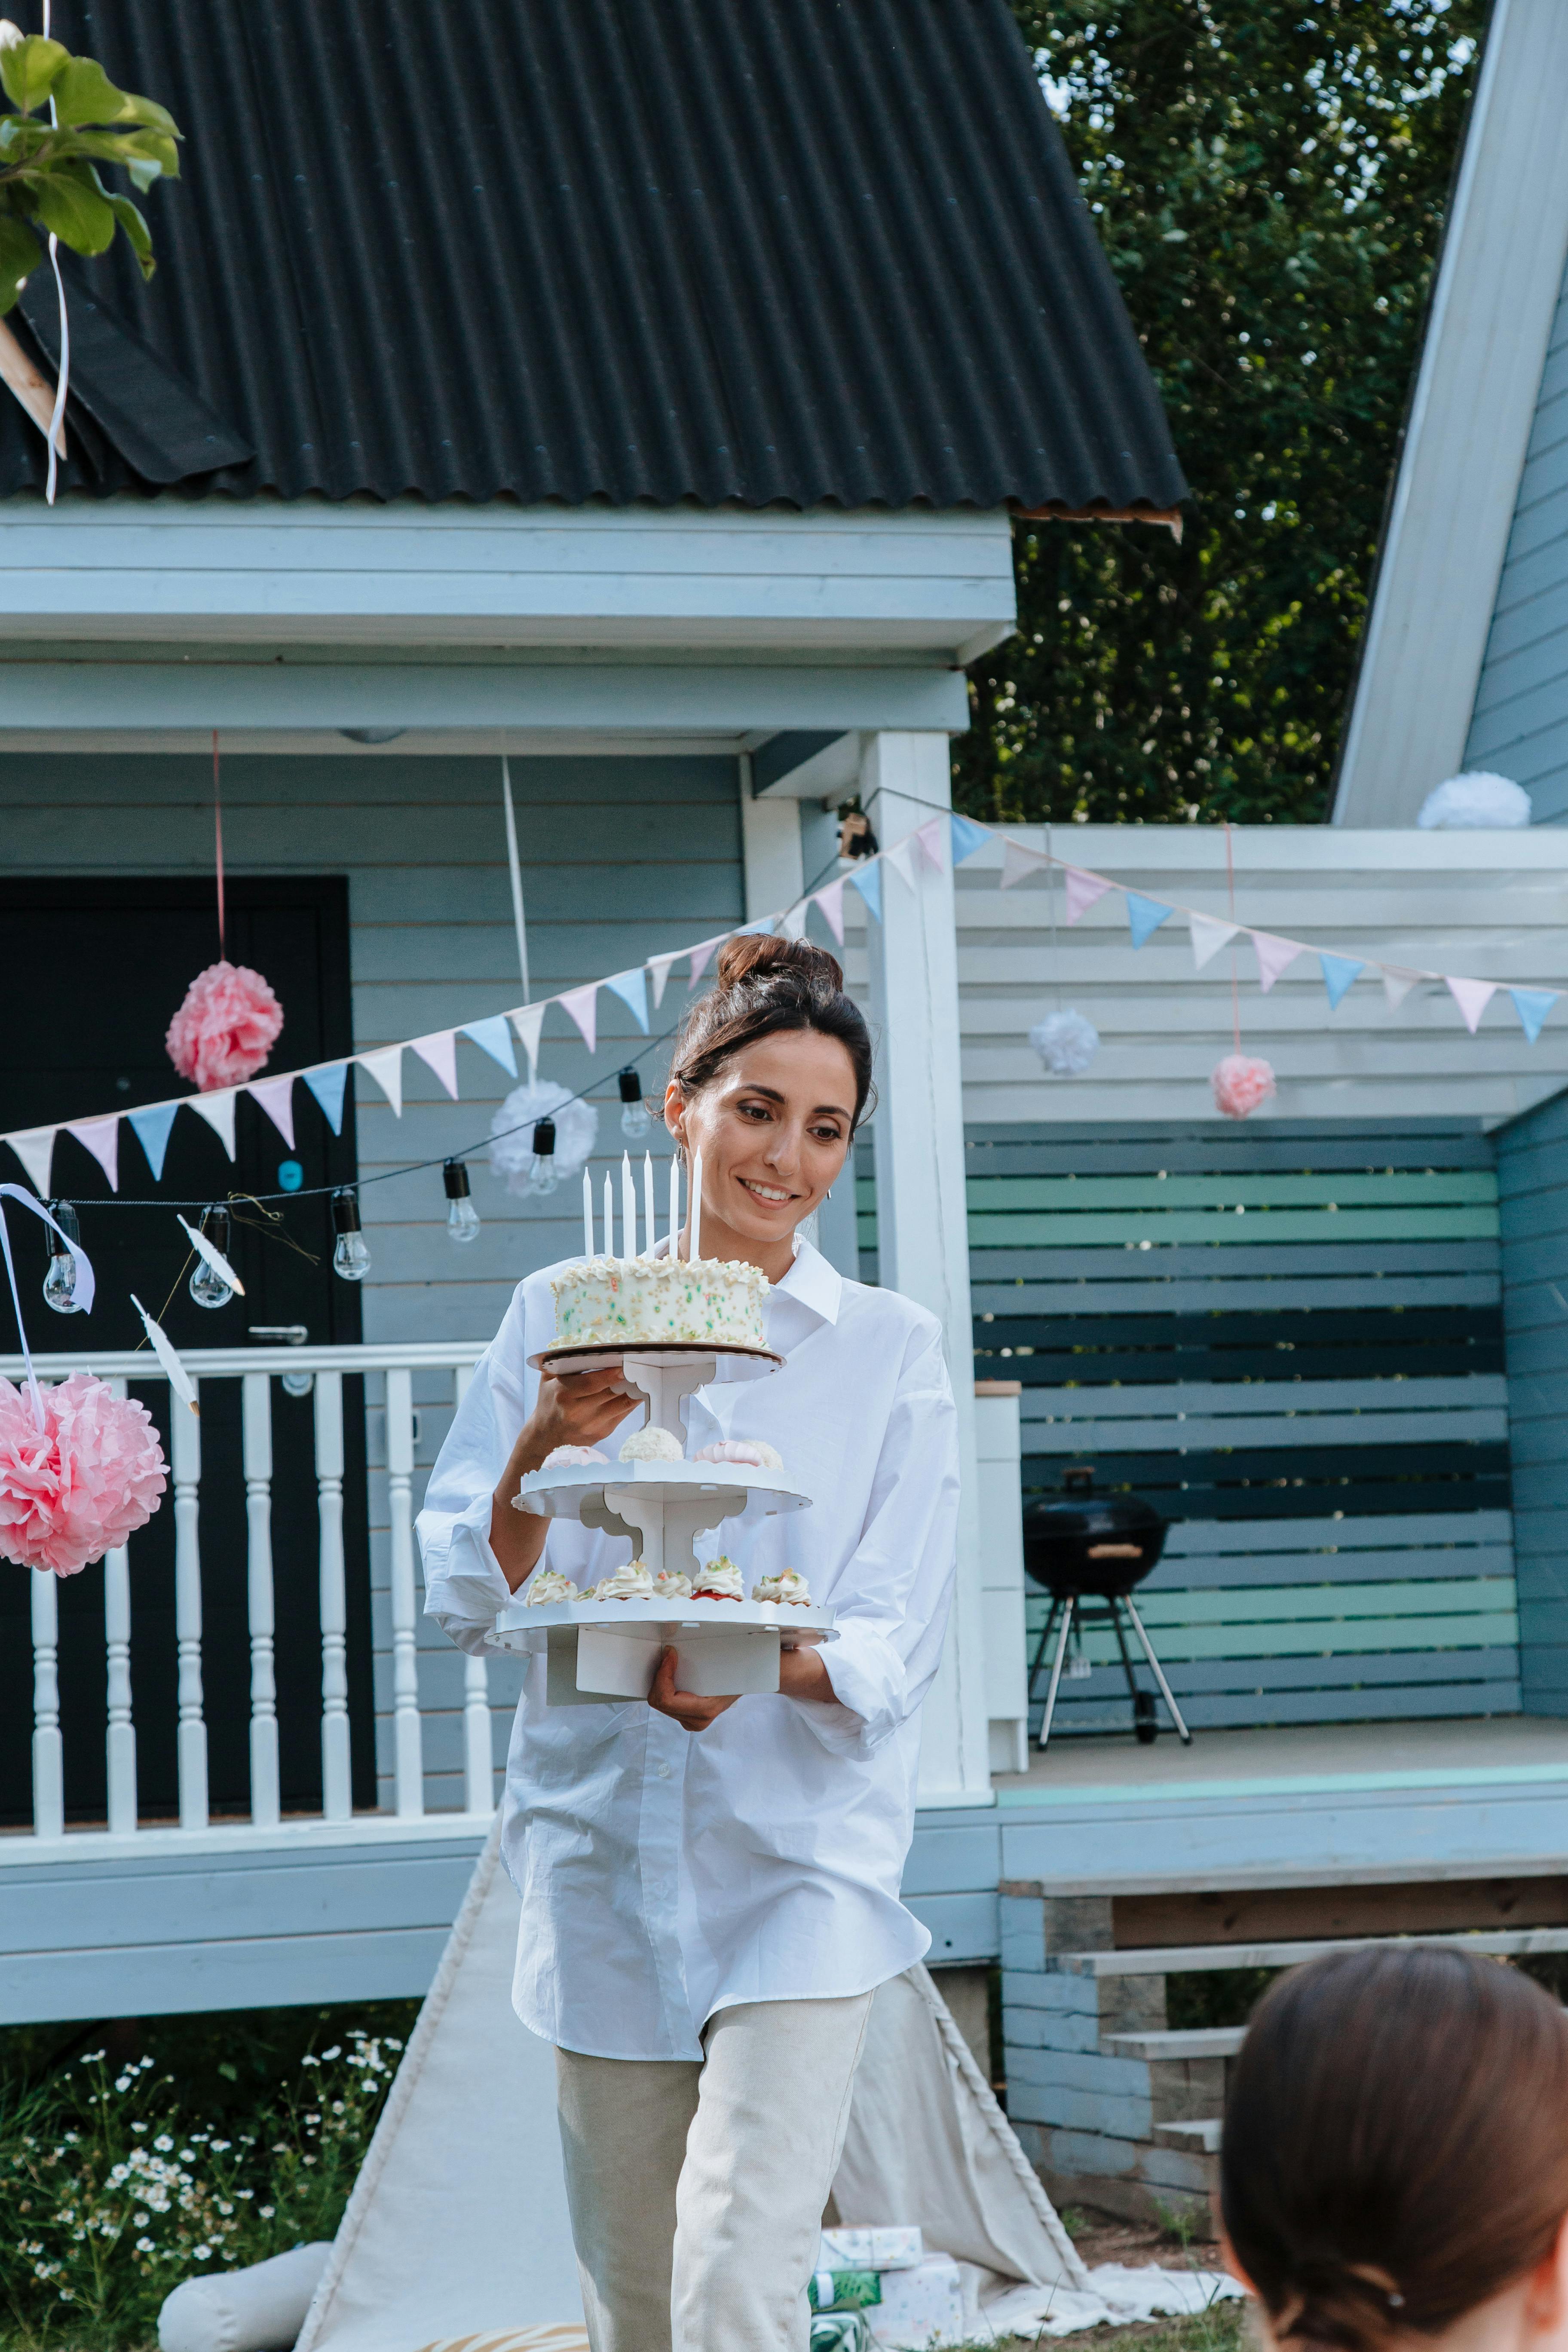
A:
{"x":1268,"y":177}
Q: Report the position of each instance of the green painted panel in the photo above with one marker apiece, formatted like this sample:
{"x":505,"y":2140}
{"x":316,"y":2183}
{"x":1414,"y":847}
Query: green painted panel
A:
{"x":1139,"y":1230}
{"x":1312,"y":1603}
{"x":1405,"y":1187}
{"x":1322,"y":1639}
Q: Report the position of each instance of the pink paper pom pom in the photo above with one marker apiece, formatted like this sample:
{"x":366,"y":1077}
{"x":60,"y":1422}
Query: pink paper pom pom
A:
{"x":1240,"y":1084}
{"x":565,"y":1455}
{"x":74,"y":1489}
{"x":226,"y":1028}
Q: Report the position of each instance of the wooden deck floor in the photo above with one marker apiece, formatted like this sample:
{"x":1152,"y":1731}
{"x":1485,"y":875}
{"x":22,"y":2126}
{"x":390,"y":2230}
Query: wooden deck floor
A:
{"x":1358,"y":1755}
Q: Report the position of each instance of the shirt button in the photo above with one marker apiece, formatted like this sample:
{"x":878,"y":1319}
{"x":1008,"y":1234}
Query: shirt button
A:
{"x":662,"y":1769}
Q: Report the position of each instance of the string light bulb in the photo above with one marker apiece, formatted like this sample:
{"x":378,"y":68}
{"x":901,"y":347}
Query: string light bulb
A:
{"x":207,"y":1285}
{"x":462,"y":1217}
{"x":542,"y":1177}
{"x":351,"y":1257}
{"x":59,"y":1283}
{"x":635,"y":1122}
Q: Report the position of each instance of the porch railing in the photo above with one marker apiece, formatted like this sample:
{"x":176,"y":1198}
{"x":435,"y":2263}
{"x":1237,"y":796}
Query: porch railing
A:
{"x":445,"y":1368}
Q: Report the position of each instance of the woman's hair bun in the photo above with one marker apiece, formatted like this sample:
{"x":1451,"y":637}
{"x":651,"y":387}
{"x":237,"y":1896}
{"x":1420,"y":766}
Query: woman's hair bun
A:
{"x":756,"y":956}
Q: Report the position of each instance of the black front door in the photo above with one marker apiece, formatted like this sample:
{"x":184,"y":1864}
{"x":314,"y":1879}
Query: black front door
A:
{"x":112,"y":961}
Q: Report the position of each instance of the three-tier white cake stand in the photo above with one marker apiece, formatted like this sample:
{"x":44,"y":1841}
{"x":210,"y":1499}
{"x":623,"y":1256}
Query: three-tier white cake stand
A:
{"x":610,"y":1649}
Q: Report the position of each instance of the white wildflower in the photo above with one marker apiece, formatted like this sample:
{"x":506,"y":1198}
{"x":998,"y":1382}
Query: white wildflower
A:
{"x":335,"y":2051}
{"x":146,"y":2246}
{"x":266,"y":2211}
{"x":163,"y":2143}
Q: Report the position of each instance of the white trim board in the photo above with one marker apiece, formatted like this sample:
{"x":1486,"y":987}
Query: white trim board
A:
{"x":1492,"y":308}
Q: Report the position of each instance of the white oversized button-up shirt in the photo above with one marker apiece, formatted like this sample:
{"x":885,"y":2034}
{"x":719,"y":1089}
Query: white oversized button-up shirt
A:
{"x":667,"y":1874}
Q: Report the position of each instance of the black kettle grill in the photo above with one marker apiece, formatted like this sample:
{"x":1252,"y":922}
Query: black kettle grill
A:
{"x":1088,"y":1551}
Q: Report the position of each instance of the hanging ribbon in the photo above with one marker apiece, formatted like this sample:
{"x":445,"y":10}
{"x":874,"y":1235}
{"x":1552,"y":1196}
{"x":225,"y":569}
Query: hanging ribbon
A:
{"x":56,"y":421}
{"x":218,"y":836}
{"x":514,"y":868}
{"x":82,"y":1296}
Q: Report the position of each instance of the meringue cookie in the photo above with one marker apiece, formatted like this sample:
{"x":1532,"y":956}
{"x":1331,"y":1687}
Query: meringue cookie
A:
{"x":632,"y":1582}
{"x":566,"y":1456}
{"x":548,"y":1585}
{"x":753,"y":1451}
{"x":669,"y":1584}
{"x":787,"y":1585}
{"x":719,"y":1580}
{"x":652,"y":1444}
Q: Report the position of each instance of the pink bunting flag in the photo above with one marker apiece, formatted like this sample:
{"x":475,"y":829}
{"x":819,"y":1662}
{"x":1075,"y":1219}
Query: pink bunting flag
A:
{"x":659,"y":965}
{"x":930,"y":839}
{"x":1018,"y":860}
{"x":831,"y":901}
{"x":582,"y":1005}
{"x":1274,"y":955}
{"x":702,"y":956}
{"x":1472,"y":997}
{"x":276,"y":1096}
{"x":35,"y":1148}
{"x":438,"y":1051}
{"x":1082,"y":890}
{"x":101,"y":1138}
{"x":217,"y":1110}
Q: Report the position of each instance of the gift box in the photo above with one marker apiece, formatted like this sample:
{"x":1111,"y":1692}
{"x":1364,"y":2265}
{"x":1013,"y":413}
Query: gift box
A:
{"x":920,"y":2306}
{"x":844,"y":2290}
{"x":839,"y":2331}
{"x":882,"y":2247}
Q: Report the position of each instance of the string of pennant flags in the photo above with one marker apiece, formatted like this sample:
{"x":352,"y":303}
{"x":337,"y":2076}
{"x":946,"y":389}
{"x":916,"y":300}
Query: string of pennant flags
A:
{"x":943,"y":837}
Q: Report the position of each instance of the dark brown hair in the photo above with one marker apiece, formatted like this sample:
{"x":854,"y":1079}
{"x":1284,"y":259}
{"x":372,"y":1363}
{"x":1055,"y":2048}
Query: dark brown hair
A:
{"x":766,"y":985}
{"x":1396,"y":2142}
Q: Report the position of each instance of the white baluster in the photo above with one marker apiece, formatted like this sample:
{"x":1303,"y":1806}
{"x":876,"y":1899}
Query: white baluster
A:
{"x":186,"y":1453}
{"x":479,"y":1768}
{"x":257,"y":1417}
{"x":121,"y":1741}
{"x":337,"y":1793}
{"x":408,"y":1763}
{"x":48,"y":1756}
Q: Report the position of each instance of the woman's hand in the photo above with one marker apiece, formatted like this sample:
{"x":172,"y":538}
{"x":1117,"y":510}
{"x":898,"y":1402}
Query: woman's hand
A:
{"x":802,"y":1674}
{"x":575,"y":1409}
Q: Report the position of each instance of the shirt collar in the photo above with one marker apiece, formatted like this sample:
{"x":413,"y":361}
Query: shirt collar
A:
{"x":818,"y":1286}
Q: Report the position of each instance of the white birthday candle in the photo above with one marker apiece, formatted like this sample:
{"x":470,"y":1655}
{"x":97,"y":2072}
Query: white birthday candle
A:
{"x":696,"y":1201}
{"x":587,"y":1214}
{"x":647,"y":1217}
{"x":675,"y":1204}
{"x":628,"y":1208}
{"x":609,"y":1217}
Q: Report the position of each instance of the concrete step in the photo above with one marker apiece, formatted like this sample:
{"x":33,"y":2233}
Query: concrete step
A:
{"x":1202,"y":2135}
{"x":1191,"y":2042}
{"x":1182,"y":1960}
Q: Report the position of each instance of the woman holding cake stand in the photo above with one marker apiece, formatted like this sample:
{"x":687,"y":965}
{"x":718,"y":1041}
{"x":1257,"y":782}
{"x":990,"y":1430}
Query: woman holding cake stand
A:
{"x":709,"y":1885}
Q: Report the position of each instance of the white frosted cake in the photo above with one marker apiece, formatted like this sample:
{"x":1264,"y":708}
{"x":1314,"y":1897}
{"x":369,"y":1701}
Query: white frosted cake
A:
{"x":619,"y":1302}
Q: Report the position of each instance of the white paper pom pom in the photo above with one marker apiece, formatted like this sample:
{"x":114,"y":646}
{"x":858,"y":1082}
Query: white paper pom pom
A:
{"x":1066,"y":1042}
{"x":511,"y":1155}
{"x":1475,"y":802}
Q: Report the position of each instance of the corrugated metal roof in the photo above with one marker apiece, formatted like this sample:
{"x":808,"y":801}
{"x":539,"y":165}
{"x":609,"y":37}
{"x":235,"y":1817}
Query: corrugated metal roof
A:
{"x":807,"y":251}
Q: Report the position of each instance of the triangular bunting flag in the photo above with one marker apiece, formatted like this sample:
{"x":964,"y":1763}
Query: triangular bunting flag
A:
{"x":1339,"y":974}
{"x":35,"y":1148}
{"x":830,"y":898}
{"x":1274,"y":955}
{"x":1472,"y":997}
{"x":966,"y":836}
{"x":902,"y":857}
{"x":581,"y":1005}
{"x":659,"y":965}
{"x":1082,"y":890}
{"x":929,"y":838}
{"x":438,"y":1051}
{"x":1532,"y":1005}
{"x":329,"y":1087}
{"x":702,"y":956}
{"x":276,"y":1096}
{"x":868,"y":880}
{"x":793,"y":925}
{"x":1018,"y":860}
{"x":493,"y":1037}
{"x":218,"y":1112}
{"x":528,"y":1020}
{"x":1397,"y":982}
{"x":101,"y":1138}
{"x":1144,"y":916}
{"x":385,"y":1066}
{"x":150,"y":1127}
{"x":1209,"y":935}
{"x":631,"y":987}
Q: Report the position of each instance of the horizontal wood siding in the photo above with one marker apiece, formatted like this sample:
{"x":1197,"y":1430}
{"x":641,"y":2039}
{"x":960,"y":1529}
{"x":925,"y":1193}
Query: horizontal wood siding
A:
{"x":1531,"y":1159}
{"x":1291,"y":1344}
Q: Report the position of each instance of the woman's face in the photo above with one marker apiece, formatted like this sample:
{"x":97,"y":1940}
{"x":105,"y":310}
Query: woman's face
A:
{"x":774,"y":1128}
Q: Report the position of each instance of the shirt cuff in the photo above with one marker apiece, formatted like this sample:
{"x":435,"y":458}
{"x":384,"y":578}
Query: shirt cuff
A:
{"x":464,"y":1586}
{"x":867,"y":1678}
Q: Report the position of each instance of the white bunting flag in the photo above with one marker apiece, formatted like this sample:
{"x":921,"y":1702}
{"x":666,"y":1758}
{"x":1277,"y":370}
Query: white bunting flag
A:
{"x":528,"y":1020}
{"x":385,"y":1066}
{"x":1209,"y":935}
{"x":101,"y":1138}
{"x":1472,"y":997}
{"x":218,"y":1112}
{"x":35,"y":1148}
{"x":830,"y":898}
{"x":582,"y":1005}
{"x":660,"y":967}
{"x":901,"y":858}
{"x":1397,"y":982}
{"x":438,"y":1051}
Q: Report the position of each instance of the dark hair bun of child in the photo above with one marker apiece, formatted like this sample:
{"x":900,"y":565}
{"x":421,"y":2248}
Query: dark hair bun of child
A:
{"x":754,"y":956}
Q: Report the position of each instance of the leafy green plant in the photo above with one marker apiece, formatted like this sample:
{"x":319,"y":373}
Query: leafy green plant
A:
{"x":69,"y":120}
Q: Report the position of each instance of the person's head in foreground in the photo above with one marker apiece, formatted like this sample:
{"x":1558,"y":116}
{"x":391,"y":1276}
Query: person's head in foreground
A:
{"x":1394,"y":2167}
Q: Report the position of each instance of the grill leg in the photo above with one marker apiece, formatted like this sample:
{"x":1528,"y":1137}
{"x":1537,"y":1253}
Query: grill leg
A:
{"x":1186,"y":1736}
{"x":1056,"y":1673}
{"x":1042,"y":1645}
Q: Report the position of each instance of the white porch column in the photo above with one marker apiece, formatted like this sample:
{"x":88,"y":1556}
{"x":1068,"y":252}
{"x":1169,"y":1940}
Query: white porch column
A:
{"x":923,"y":1240}
{"x":770,"y":849}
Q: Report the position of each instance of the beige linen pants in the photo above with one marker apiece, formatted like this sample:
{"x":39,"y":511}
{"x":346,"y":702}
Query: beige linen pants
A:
{"x":697,"y":2189}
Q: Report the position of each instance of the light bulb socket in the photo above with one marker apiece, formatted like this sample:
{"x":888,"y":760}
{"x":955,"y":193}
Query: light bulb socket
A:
{"x":630,"y":1085}
{"x":65,"y":1216}
{"x":544,"y":1138}
{"x":215,"y":1227}
{"x":345,"y":1212}
{"x":455,"y":1177}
